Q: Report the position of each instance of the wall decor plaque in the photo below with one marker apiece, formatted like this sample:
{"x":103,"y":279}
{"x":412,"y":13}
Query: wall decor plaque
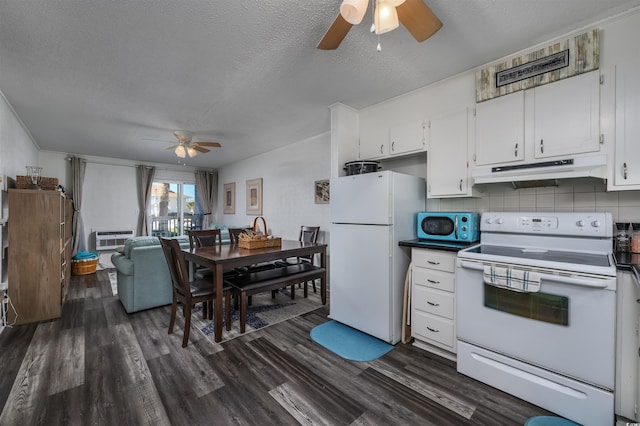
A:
{"x":229,"y":198}
{"x":254,"y":197}
{"x":562,"y":59}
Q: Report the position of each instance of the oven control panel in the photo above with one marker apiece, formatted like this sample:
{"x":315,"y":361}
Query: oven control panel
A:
{"x":591,"y":224}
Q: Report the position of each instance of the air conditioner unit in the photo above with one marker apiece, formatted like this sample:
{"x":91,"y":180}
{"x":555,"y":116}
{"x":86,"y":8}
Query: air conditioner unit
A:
{"x":111,"y":240}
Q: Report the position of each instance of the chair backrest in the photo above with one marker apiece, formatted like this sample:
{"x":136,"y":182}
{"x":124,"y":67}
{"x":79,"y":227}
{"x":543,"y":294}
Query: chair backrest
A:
{"x":204,"y":238}
{"x":234,"y":232}
{"x":309,"y":234}
{"x":177,"y":264}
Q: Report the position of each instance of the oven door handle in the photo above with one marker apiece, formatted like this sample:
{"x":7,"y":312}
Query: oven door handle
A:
{"x":575,"y":280}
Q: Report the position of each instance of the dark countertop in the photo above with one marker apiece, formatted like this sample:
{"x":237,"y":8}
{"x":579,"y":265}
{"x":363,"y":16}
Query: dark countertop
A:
{"x":628,"y":262}
{"x":435,"y":245}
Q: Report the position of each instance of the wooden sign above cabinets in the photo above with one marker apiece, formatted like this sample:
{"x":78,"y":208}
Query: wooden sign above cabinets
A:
{"x":564,"y":58}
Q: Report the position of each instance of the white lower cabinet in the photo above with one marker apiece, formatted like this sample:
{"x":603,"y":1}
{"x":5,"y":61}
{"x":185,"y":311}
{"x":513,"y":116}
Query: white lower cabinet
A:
{"x":627,"y":347}
{"x":433,"y":324}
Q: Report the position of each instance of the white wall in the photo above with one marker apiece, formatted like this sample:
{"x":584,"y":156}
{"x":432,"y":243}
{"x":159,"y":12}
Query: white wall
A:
{"x":17,"y":150}
{"x":288,"y":175}
{"x":17,"y":147}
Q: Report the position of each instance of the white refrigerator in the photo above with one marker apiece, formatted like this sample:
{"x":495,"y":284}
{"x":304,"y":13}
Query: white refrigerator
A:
{"x":370,"y":214}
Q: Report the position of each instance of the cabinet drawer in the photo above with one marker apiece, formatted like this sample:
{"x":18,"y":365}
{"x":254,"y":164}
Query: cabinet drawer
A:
{"x":433,"y":301}
{"x":441,"y":261}
{"x":435,"y":279}
{"x":433,"y":328}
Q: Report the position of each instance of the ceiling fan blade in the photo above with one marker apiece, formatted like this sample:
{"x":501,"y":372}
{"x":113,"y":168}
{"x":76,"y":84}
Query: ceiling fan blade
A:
{"x":199,"y":148}
{"x":215,"y":144}
{"x":418,"y":19}
{"x":173,"y":146}
{"x":335,"y":34}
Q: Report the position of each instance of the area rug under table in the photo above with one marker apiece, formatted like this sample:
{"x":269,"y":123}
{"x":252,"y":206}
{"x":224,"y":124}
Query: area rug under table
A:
{"x":348,"y":342}
{"x":263,"y":312}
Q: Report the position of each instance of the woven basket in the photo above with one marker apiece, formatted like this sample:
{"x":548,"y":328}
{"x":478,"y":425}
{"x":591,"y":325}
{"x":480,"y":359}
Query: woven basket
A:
{"x":84,"y":267}
{"x":260,"y":240}
{"x":46,"y":183}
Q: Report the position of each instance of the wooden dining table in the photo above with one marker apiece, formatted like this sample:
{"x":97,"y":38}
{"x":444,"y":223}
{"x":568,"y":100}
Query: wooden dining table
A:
{"x":227,"y":256}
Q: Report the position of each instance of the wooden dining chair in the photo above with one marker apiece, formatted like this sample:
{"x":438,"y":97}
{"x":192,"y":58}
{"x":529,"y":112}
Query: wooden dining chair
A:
{"x":234,"y":233}
{"x":308,"y":234}
{"x":233,"y":236}
{"x":190,"y":293}
{"x":204,"y":238}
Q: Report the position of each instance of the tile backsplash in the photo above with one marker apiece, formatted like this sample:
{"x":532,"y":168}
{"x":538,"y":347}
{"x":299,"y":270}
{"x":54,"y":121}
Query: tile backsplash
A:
{"x":623,"y":205}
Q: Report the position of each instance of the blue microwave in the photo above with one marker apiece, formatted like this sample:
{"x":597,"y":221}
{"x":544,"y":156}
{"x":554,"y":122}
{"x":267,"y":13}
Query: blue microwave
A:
{"x":448,"y":226}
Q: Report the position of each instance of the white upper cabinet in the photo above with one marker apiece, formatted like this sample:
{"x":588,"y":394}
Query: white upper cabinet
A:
{"x":407,"y":137}
{"x":447,"y":158}
{"x":567,"y":116}
{"x":374,"y":143}
{"x":397,"y":140}
{"x":626,"y":173}
{"x":553,"y":120}
{"x":500,"y":129}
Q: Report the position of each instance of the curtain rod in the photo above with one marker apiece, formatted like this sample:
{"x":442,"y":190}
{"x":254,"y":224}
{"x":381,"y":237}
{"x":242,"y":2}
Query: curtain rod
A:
{"x":106,"y":163}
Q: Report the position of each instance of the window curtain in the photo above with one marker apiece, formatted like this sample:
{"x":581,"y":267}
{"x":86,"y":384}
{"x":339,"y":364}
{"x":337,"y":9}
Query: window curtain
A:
{"x":207,"y":190}
{"x":78,"y":167}
{"x":144,"y":178}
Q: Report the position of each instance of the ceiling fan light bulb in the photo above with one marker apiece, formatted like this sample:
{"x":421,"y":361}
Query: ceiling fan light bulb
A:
{"x":191,"y":152}
{"x":180,"y":151}
{"x":385,"y":17}
{"x":353,"y":10}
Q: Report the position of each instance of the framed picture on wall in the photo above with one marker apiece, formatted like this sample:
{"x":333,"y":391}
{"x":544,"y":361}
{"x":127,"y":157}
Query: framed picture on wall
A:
{"x":321,"y":191}
{"x":229,"y":198}
{"x":254,"y":197}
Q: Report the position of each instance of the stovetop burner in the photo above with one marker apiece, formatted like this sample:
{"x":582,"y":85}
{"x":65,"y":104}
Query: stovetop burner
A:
{"x":544,"y":255}
{"x":562,"y":241}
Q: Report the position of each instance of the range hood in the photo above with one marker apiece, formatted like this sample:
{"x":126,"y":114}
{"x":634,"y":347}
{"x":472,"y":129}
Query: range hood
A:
{"x":543,"y":173}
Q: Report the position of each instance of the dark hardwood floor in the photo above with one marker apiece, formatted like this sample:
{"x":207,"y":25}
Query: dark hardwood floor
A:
{"x":98,"y":365}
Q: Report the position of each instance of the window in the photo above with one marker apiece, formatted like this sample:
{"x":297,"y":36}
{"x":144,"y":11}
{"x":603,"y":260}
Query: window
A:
{"x":538,"y":306}
{"x":174,"y":209}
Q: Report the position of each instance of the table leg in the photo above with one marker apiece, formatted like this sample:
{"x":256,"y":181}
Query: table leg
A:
{"x":323,"y":280}
{"x":217,"y":309}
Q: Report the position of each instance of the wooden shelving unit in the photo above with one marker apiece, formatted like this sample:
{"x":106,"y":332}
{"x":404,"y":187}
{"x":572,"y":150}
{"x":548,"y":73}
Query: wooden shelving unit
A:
{"x":39,"y":253}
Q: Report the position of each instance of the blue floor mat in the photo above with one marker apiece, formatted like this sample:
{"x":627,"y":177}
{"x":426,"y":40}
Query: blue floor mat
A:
{"x":348,"y":342}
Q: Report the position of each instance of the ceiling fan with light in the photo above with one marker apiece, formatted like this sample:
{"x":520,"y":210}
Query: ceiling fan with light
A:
{"x":416,"y":16}
{"x":185,"y":147}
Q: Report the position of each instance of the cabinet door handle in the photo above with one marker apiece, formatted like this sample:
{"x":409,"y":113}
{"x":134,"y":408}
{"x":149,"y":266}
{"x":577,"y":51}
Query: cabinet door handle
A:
{"x":433,"y":304}
{"x":541,"y":146}
{"x":516,"y":151}
{"x":624,"y":170}
{"x":460,"y":184}
{"x":431,"y":262}
{"x":393,"y":146}
{"x":381,"y":148}
{"x":433,"y":330}
{"x":433,"y":281}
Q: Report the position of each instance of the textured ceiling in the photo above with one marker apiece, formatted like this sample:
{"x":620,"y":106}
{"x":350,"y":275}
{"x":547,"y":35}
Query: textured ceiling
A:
{"x":114,"y":78}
